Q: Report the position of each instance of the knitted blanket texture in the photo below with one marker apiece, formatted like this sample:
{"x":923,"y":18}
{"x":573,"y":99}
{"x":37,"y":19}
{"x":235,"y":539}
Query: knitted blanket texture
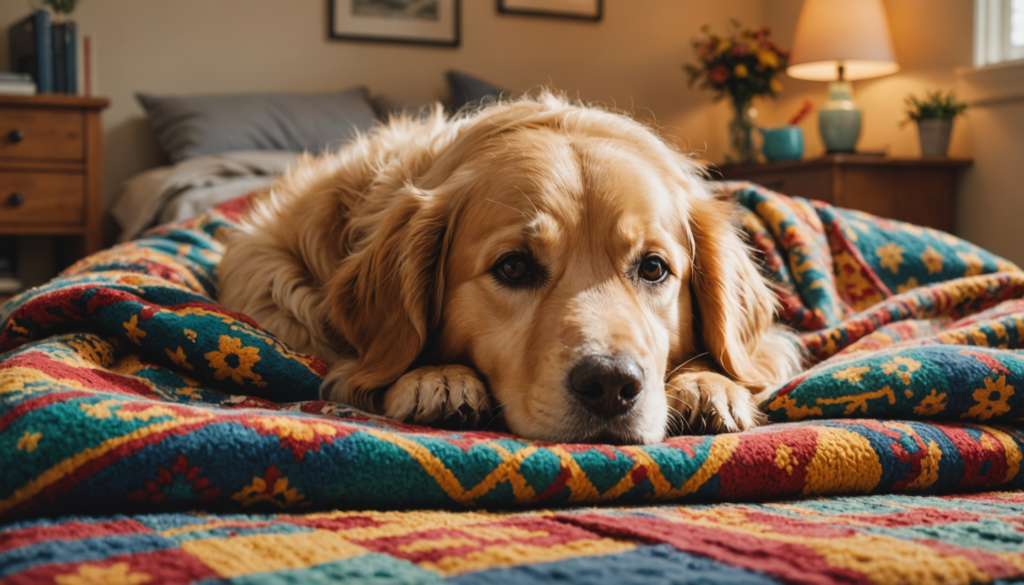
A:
{"x":126,"y":389}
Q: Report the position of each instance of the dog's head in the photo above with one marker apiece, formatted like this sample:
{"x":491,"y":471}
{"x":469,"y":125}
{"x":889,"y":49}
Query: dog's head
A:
{"x":570,"y":257}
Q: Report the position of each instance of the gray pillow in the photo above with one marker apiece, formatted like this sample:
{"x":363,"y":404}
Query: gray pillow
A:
{"x":191,"y":126}
{"x":471,"y":91}
{"x":387,"y":104}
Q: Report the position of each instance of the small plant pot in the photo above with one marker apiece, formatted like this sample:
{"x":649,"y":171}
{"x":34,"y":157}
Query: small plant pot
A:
{"x":934,"y":136}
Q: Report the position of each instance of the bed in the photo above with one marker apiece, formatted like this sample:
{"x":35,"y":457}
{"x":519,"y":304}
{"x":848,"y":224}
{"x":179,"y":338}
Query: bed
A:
{"x":149,"y":435}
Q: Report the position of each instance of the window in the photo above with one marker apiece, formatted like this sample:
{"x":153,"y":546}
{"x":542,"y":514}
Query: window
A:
{"x":998,"y":31}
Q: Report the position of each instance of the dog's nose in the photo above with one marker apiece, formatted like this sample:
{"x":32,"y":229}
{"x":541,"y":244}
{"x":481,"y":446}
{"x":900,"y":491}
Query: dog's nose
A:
{"x":607,"y":385}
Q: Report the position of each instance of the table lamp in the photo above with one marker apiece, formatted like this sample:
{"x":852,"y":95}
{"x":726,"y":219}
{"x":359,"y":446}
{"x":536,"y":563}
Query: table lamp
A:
{"x":839,"y":41}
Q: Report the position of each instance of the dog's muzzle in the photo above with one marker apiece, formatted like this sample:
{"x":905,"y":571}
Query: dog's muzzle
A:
{"x":607,"y":386}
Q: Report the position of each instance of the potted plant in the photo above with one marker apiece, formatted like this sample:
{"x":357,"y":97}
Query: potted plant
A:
{"x":934,"y":116}
{"x":61,"y":6}
{"x":742,"y":65}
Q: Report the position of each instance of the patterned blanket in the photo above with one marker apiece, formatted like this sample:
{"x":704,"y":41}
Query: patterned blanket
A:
{"x":125,"y":388}
{"x":871,"y":539}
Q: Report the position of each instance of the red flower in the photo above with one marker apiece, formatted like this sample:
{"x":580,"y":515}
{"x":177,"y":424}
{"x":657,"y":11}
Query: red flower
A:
{"x":719,"y":74}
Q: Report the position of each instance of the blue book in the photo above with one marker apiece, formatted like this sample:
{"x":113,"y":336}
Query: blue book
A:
{"x":60,"y":61}
{"x":31,"y":52}
{"x":71,"y":54}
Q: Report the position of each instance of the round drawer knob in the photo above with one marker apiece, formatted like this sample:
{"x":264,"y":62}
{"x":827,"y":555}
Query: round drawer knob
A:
{"x":15,"y":136}
{"x":15,"y":199}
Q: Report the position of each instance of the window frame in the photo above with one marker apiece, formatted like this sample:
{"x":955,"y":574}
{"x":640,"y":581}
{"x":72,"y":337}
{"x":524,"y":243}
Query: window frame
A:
{"x":992,"y":33}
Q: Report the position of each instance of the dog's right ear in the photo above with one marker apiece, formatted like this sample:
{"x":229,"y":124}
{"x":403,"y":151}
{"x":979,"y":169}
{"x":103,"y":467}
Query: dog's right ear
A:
{"x":384,"y":294}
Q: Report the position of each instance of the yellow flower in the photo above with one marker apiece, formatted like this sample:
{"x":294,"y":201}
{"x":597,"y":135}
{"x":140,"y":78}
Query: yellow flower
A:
{"x":285,"y":427}
{"x":279,"y":493}
{"x":232,"y":352}
{"x":986,"y":406}
{"x":909,"y":285}
{"x":852,"y":374}
{"x":893,"y":367}
{"x":932,"y":260}
{"x":178,"y":357}
{"x":775,"y":85}
{"x":29,"y":441}
{"x":768,"y":58}
{"x":890,"y":256}
{"x":931,"y":404}
{"x":100,"y":409}
{"x":974,"y":263}
{"x":740,"y":71}
{"x":132,"y":330}
{"x":723,"y":46}
{"x":116,"y":574}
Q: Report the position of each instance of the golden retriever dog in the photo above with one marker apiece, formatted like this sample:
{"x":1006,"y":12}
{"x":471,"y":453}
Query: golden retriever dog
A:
{"x":554,"y":265}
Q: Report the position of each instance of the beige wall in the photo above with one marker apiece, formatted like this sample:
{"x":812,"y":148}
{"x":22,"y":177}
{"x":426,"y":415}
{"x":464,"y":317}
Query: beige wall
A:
{"x":632,"y":59}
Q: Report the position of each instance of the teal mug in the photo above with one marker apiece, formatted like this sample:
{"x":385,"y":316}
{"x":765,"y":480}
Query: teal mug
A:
{"x":782,"y":143}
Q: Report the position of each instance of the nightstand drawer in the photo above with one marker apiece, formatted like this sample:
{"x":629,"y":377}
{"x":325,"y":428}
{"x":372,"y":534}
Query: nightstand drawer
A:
{"x":41,"y":134}
{"x":41,"y":198}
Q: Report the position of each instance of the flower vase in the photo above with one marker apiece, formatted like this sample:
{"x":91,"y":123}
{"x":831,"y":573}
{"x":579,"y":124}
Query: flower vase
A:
{"x":741,"y":141}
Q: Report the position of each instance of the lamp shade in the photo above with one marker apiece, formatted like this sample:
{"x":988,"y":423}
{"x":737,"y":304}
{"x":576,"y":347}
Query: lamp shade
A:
{"x":851,"y":33}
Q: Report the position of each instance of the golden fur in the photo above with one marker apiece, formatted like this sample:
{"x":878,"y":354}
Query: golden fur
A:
{"x":381,"y":258}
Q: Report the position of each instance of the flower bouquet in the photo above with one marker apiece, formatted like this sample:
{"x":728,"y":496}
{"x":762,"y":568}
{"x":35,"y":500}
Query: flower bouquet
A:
{"x":742,"y":65}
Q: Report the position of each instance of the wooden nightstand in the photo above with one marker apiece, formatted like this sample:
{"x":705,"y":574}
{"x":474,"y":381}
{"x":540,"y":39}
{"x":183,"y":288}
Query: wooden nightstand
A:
{"x":921,"y":191}
{"x":51,"y":168}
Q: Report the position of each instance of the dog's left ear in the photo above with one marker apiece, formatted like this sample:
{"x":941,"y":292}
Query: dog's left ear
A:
{"x":735,"y":304}
{"x":384,"y":295}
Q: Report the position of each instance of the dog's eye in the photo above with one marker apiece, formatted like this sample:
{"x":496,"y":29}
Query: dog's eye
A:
{"x":514,"y":268}
{"x":653,"y":269}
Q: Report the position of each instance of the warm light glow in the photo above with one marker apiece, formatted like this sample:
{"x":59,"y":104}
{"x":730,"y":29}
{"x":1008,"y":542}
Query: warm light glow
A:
{"x":827,"y":70}
{"x":854,"y":33}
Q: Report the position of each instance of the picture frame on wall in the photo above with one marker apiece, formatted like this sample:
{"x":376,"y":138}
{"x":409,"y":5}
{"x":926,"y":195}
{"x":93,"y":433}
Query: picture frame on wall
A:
{"x":421,"y":22}
{"x":577,"y":9}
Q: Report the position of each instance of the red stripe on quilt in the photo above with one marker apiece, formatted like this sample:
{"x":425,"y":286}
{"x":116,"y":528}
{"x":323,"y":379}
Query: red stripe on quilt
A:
{"x":39,"y":402}
{"x":996,"y":567}
{"x":784,"y":464}
{"x":93,"y":379}
{"x":793,"y":563}
{"x":163,"y":566}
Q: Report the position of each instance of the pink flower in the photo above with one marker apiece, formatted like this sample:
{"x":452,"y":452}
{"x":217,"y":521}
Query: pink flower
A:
{"x":739,"y":50}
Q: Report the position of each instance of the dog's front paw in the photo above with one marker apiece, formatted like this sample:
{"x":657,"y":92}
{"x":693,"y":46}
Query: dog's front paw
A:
{"x":432,"y":394}
{"x":706,"y":402}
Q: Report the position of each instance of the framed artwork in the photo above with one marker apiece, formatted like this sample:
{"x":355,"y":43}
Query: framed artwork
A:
{"x":579,"y":9}
{"x":424,"y":22}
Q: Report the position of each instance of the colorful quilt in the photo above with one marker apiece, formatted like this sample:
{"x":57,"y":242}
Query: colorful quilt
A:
{"x":869,"y":539}
{"x":125,"y":389}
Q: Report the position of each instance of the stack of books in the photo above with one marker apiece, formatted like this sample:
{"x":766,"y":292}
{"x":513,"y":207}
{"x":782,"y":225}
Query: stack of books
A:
{"x":54,"y":55}
{"x":16,"y":83}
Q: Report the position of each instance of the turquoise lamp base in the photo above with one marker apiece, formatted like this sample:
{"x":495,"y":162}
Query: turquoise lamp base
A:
{"x":839,"y":121}
{"x":840,"y":129}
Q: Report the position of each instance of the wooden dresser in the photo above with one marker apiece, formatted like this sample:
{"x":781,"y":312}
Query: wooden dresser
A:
{"x":921,"y":191}
{"x":51,"y":169}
